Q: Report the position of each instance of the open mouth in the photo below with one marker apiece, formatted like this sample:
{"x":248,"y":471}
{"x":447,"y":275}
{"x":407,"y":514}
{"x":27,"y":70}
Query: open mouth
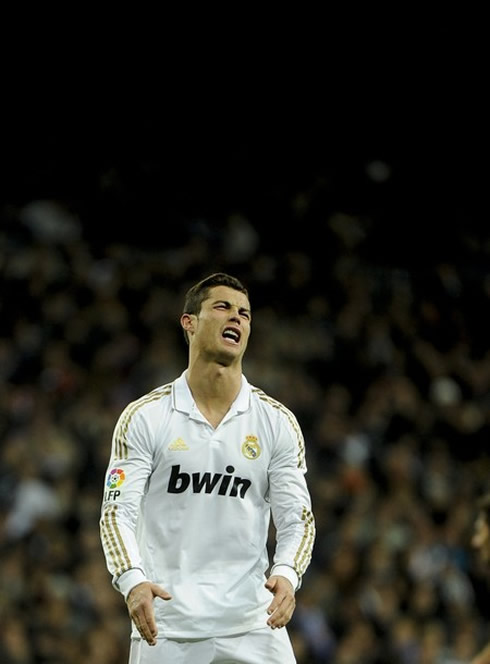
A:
{"x":231,"y":334}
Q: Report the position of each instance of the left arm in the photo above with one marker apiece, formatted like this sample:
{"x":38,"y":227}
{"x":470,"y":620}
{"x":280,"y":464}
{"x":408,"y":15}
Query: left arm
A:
{"x":293,"y":519}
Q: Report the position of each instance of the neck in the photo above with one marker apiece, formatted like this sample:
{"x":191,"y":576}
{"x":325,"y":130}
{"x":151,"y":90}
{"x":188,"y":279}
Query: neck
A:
{"x":210,"y":382}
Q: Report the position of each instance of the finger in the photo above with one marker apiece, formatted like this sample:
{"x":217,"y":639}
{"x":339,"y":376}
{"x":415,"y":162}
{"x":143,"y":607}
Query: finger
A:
{"x":276,"y":605}
{"x":282,"y":614}
{"x":273,"y":606}
{"x":158,"y":591}
{"x":144,"y":622}
{"x":150,"y":620}
{"x":142,"y":625}
{"x":279,"y":598}
{"x":280,"y":619}
{"x":144,"y":631}
{"x":270,"y":583}
{"x":151,"y":630}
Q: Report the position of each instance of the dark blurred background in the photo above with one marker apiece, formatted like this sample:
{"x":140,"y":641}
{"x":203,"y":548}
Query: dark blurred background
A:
{"x":348,"y":190}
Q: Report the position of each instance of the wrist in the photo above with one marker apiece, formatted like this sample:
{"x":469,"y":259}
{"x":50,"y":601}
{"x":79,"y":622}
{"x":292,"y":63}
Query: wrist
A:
{"x":127,"y":581}
{"x":288,"y":572}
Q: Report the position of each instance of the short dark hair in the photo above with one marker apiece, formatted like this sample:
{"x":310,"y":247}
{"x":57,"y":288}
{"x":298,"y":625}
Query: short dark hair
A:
{"x":196,"y":295}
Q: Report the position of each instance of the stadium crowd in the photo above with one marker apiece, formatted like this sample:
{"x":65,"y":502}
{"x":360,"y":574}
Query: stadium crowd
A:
{"x":387,"y":368}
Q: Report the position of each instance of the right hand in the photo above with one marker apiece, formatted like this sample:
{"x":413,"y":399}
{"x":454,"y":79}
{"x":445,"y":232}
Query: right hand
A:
{"x":140,"y":607}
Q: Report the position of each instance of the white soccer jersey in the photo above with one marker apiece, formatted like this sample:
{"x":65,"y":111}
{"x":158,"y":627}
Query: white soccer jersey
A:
{"x":187,"y":506}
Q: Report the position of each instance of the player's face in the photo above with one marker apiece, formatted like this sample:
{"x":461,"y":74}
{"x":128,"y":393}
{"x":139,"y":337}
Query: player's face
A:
{"x":222,"y":327}
{"x":481,"y":538}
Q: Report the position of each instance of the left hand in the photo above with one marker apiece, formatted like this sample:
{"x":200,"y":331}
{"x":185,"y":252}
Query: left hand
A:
{"x":282,"y":606}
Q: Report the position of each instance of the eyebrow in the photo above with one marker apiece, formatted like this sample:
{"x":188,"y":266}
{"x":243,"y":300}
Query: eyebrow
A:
{"x":228,"y":304}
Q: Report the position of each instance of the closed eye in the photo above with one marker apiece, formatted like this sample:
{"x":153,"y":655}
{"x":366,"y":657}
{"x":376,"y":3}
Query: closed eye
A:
{"x":243,"y":312}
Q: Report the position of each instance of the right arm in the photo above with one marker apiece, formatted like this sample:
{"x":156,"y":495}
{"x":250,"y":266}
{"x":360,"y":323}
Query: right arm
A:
{"x":129,"y":468}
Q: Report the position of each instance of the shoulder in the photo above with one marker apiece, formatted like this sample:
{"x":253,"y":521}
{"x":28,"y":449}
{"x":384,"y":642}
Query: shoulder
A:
{"x":277,"y":412}
{"x":283,"y":422}
{"x":272,"y":406}
{"x":138,"y":420}
{"x":147,"y":404}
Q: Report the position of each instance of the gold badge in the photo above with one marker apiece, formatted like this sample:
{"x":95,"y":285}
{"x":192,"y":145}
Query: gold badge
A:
{"x":251,"y":448}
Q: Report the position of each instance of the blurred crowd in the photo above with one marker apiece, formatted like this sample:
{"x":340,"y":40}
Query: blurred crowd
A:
{"x":387,"y":368}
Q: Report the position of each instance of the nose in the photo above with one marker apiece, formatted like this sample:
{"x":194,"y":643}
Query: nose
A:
{"x":235,"y":316}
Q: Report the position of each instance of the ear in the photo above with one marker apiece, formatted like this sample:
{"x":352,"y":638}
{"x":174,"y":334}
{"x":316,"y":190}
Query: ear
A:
{"x":187,"y":322}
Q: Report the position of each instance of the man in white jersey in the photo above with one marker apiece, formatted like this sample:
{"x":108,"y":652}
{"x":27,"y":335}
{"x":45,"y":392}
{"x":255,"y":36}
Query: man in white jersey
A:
{"x":197,"y":467}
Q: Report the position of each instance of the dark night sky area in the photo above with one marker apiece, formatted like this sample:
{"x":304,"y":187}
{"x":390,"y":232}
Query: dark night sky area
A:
{"x":411,"y":102}
{"x":144,"y":183}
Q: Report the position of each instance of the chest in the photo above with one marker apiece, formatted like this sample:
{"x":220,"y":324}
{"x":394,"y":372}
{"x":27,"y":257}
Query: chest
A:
{"x":235,"y":454}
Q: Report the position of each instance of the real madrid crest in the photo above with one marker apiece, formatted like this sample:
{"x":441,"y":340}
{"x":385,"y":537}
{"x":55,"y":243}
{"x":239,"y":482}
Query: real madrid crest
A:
{"x":251,"y":448}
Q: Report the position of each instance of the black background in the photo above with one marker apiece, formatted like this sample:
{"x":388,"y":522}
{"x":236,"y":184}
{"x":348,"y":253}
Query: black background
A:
{"x":140,"y":137}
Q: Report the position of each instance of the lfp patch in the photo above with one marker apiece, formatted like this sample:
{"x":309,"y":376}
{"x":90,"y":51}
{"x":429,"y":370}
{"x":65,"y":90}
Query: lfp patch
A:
{"x":115,"y":478}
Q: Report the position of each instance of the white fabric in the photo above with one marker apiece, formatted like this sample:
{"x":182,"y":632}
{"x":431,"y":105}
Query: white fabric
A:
{"x":261,"y":646}
{"x":188,"y":506}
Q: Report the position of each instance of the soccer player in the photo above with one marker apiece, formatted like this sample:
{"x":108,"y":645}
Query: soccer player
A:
{"x":481,"y":542}
{"x":197,"y":468}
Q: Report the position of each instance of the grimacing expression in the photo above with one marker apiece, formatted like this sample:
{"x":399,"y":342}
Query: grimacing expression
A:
{"x":222,"y":327}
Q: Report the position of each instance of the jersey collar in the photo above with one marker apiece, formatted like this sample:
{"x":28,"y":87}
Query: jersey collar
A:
{"x":183,"y":400}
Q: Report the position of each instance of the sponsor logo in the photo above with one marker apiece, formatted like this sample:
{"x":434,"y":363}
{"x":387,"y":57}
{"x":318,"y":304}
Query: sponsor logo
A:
{"x":222,"y":484}
{"x":251,"y":448}
{"x":178,"y":444}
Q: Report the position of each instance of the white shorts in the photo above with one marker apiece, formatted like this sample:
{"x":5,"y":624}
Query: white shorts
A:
{"x":256,"y":647}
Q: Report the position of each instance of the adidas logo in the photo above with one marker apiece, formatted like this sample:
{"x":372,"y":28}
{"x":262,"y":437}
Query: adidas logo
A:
{"x":178,"y":444}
